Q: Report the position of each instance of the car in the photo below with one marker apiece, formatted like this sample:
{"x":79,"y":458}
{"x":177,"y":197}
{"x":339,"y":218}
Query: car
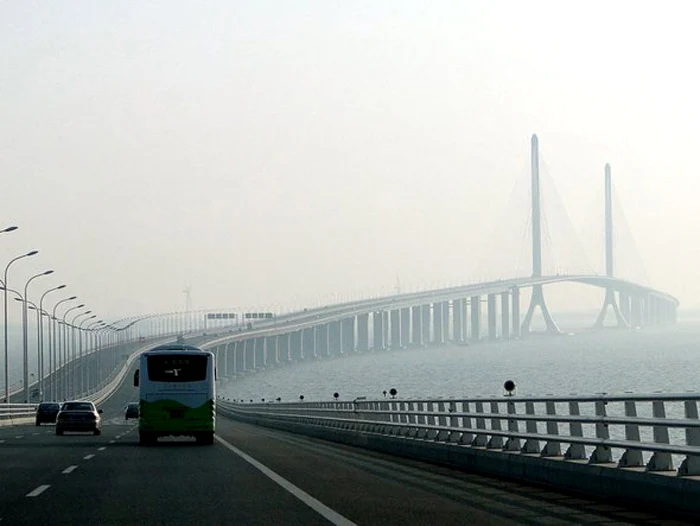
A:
{"x":79,"y":415}
{"x":132,"y":411}
{"x":47,"y":412}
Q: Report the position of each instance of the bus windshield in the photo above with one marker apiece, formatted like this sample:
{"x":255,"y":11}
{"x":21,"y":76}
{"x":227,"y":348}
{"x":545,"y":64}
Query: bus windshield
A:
{"x":177,"y":368}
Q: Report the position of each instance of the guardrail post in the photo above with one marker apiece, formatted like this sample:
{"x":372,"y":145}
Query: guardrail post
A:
{"x":466,"y":437}
{"x":495,"y":442}
{"x":631,"y":457}
{"x":412,"y":420}
{"x":420,"y":420}
{"x":431,"y":434}
{"x":454,"y":436}
{"x":602,"y":453}
{"x":552,"y":448}
{"x":403,"y":418}
{"x":575,"y":451}
{"x":512,"y":443}
{"x":532,"y":445}
{"x":442,"y":434}
{"x":480,"y":439}
{"x":691,"y":463}
{"x":660,"y":461}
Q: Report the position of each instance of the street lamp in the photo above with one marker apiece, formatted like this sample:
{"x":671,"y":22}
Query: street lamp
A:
{"x":53,"y":363}
{"x":64,"y":375}
{"x":40,"y":366}
{"x":83,"y":363}
{"x":74,"y":354}
{"x":25,"y":331}
{"x":4,"y":281}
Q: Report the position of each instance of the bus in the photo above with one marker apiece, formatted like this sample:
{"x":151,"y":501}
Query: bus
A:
{"x":176,"y":393}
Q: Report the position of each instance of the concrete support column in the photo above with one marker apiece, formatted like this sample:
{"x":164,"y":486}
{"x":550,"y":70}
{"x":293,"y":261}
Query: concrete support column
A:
{"x":363,"y":332}
{"x":308,"y":343}
{"x":625,"y":307}
{"x":405,"y":327}
{"x":283,"y":348}
{"x":426,"y":316}
{"x":348,"y":344}
{"x":438,"y":325}
{"x":296,"y":345}
{"x":515,"y":291}
{"x":505,"y":316}
{"x":271,"y":356}
{"x":417,"y":326}
{"x":334,"y":339}
{"x":322,"y":347}
{"x":249,"y":364}
{"x":239,"y":357}
{"x":260,"y":361}
{"x":457,"y":321}
{"x":491,"y":303}
{"x":649,"y":310}
{"x":475,"y":304}
{"x":395,"y":323}
{"x":378,"y":330}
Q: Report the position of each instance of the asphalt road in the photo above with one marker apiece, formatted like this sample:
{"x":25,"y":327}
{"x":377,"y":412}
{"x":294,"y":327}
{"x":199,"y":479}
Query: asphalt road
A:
{"x":255,"y":476}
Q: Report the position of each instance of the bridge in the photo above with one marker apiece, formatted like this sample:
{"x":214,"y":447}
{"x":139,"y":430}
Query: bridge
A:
{"x":418,"y":461}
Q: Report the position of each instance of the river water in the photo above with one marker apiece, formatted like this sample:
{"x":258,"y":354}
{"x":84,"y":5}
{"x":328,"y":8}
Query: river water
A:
{"x":579,"y":362}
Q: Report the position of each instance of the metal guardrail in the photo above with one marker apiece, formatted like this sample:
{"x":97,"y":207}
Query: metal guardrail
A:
{"x":653,"y":432}
{"x":11,"y":414}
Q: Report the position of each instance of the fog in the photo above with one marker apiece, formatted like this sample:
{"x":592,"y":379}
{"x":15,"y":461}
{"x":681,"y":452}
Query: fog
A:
{"x":273,"y":155}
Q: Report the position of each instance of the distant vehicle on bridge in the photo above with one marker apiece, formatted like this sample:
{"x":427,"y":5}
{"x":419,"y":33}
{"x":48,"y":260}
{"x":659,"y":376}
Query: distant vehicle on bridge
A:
{"x":176,"y":393}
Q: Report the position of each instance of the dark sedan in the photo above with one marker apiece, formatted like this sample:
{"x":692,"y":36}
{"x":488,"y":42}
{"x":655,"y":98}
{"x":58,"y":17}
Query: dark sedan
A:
{"x":47,"y":412}
{"x":79,"y":416}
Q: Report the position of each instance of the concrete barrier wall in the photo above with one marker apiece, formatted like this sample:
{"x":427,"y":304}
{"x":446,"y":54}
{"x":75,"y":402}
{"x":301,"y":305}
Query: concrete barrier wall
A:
{"x":661,"y":491}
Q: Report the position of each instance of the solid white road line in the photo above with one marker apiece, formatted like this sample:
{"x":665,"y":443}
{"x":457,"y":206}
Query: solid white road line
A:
{"x":333,"y":516}
{"x":101,"y":448}
{"x":88,"y":457}
{"x":38,"y":491}
{"x":69,"y":469}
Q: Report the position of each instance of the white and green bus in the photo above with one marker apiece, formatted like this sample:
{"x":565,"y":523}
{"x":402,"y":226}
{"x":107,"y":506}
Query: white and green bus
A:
{"x":176,"y":393}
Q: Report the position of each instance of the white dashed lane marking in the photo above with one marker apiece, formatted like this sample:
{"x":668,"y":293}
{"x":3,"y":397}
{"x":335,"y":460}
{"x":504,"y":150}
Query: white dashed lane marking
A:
{"x":101,"y":448}
{"x":19,"y":436}
{"x":2,"y":441}
{"x":112,"y":441}
{"x":69,"y":469}
{"x":38,"y":491}
{"x":34,"y":434}
{"x":88,"y":457}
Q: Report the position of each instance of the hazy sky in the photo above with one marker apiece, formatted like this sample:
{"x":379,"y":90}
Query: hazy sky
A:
{"x":277,"y":153}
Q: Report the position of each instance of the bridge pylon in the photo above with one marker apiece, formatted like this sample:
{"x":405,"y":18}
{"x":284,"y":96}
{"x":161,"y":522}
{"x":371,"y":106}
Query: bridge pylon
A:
{"x":610,"y":299}
{"x":537,"y":298}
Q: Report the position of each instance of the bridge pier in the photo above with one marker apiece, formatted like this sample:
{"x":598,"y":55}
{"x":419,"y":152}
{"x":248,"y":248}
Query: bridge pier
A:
{"x":296,"y":345}
{"x":260,"y":353}
{"x":475,"y":304}
{"x":505,"y":316}
{"x":625,"y":308}
{"x":610,"y":301}
{"x":347,"y":328}
{"x":379,"y":331}
{"x":491,"y":313}
{"x":283,"y":347}
{"x":457,"y":321}
{"x":239,"y":357}
{"x":334,"y":339}
{"x":426,"y":311}
{"x":417,"y":326}
{"x":395,"y":328}
{"x":405,"y":327}
{"x":636,"y":312}
{"x":308,"y":343}
{"x":363,"y":332}
{"x":438,"y":326}
{"x":322,"y":347}
{"x":249,"y":363}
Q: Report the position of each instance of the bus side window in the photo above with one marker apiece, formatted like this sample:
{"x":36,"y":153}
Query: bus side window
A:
{"x":136,"y":378}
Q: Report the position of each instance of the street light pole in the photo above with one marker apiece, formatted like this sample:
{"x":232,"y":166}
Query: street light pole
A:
{"x":4,"y":281}
{"x":83,"y":362}
{"x":74,"y":354}
{"x":41,"y":337}
{"x":53,"y":363}
{"x":25,"y":331}
{"x":66,"y":364}
{"x":91,"y":351}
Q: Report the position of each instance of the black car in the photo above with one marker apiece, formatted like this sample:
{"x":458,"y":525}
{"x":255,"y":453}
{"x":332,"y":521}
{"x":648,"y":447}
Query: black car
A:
{"x":47,"y":412}
{"x":132,"y":411}
{"x":79,"y":416}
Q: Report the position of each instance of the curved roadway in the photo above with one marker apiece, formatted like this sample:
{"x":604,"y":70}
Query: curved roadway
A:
{"x":253,"y":475}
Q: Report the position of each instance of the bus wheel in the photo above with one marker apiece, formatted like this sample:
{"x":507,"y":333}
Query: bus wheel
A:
{"x":205,"y":439}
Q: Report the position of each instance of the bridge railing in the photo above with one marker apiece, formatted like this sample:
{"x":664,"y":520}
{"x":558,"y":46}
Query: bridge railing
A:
{"x":654,"y":432}
{"x":16,"y":413}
